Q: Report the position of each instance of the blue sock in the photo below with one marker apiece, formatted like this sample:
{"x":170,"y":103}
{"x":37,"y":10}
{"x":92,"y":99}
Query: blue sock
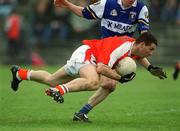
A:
{"x":85,"y":109}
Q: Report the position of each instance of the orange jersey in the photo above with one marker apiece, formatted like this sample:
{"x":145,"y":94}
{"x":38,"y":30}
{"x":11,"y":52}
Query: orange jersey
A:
{"x":14,"y":27}
{"x":109,"y":50}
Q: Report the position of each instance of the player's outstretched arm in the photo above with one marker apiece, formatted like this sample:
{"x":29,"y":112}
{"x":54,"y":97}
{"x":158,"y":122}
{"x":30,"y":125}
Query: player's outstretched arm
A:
{"x":157,"y":71}
{"x":144,"y":62}
{"x":154,"y":70}
{"x":68,"y":5}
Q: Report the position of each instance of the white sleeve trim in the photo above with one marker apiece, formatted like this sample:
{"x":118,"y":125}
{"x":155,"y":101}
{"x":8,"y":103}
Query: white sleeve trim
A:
{"x":98,"y":8}
{"x":144,"y":14}
{"x":119,"y":52}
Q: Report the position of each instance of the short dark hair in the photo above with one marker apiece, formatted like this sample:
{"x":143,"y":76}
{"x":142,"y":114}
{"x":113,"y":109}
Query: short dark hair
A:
{"x":147,"y":38}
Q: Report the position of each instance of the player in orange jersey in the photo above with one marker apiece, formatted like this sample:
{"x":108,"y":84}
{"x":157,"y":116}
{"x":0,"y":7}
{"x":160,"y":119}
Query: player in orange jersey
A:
{"x":87,"y":63}
{"x":118,"y":18}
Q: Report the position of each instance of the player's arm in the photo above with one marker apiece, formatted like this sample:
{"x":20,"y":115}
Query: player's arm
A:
{"x":144,"y":62}
{"x":68,"y":5}
{"x":154,"y":70}
{"x":143,"y":20}
{"x":93,"y":11}
{"x":108,"y":72}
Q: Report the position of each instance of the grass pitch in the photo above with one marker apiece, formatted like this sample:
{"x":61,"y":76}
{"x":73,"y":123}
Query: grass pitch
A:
{"x":145,"y":104}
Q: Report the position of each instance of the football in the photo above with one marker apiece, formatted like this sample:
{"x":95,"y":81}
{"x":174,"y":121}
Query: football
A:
{"x":125,"y":66}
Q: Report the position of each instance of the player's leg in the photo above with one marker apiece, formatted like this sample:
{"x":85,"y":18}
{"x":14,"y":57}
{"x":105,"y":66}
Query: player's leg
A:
{"x":108,"y":85}
{"x":88,"y":81}
{"x":41,"y":76}
{"x":95,"y":99}
{"x":59,"y":77}
{"x":176,"y":70}
{"x":67,"y":72}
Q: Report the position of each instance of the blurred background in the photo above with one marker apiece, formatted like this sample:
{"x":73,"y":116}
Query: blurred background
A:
{"x":44,"y":35}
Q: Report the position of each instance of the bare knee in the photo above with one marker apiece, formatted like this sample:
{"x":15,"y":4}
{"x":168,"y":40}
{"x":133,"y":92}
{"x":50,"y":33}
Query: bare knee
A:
{"x":93,"y":85}
{"x":109,"y":85}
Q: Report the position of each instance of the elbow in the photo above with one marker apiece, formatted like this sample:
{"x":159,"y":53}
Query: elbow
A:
{"x":99,"y":69}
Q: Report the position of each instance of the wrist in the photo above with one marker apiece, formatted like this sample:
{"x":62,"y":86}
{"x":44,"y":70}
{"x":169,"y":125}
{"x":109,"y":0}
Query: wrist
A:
{"x":121,"y":80}
{"x":149,"y":67}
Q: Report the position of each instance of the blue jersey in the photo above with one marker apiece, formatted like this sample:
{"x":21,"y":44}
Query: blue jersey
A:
{"x":117,"y":20}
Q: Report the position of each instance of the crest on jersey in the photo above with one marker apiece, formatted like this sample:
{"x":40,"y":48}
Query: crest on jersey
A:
{"x":132,"y":16}
{"x":113,"y":13}
{"x":146,"y":14}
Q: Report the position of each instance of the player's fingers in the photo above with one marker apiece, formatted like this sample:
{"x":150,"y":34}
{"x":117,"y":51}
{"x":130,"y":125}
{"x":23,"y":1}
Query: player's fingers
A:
{"x":164,"y":74}
{"x":161,"y":78}
{"x":161,"y":73}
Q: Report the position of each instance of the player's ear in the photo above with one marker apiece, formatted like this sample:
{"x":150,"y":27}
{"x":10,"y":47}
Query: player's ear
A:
{"x":142,"y":44}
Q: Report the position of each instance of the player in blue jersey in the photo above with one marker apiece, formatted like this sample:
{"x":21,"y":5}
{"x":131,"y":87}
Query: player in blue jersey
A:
{"x":118,"y":17}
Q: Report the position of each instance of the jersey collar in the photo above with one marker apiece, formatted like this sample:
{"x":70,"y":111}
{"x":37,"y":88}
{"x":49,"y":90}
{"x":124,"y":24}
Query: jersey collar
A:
{"x":120,"y":3}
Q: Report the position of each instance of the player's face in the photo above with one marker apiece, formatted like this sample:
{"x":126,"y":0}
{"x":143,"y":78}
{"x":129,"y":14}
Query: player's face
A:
{"x":128,"y":3}
{"x":146,"y":51}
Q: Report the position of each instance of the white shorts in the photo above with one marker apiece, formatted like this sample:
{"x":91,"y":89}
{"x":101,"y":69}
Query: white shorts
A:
{"x":77,"y":61}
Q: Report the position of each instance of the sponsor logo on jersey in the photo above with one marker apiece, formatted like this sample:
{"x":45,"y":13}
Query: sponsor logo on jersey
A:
{"x":132,"y":16}
{"x":113,"y":13}
{"x":118,"y":27}
{"x":124,"y":28}
{"x":114,"y":26}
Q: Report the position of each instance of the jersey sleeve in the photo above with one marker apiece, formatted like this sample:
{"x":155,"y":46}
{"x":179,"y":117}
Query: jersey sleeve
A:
{"x":94,"y":11}
{"x":143,"y":19}
{"x":111,"y":58}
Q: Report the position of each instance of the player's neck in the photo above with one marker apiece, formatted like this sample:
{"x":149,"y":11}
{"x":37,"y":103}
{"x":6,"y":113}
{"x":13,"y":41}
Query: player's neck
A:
{"x":125,"y":5}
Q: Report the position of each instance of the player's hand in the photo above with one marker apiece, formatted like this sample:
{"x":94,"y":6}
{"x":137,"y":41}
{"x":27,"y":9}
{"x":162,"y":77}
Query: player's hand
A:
{"x":60,"y":3}
{"x":127,"y":77}
{"x":157,"y":71}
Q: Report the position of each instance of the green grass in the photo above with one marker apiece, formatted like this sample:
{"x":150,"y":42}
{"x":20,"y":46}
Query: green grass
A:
{"x":145,"y":104}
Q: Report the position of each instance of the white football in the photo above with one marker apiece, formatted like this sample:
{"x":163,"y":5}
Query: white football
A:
{"x":125,"y":66}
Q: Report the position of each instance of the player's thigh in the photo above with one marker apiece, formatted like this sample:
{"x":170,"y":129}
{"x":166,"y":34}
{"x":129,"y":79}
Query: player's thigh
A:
{"x":91,"y":76}
{"x":61,"y":76}
{"x":107,"y":83}
{"x":89,"y":72}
